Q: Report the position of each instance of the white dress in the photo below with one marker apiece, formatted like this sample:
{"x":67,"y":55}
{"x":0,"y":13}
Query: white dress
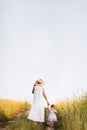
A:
{"x":52,"y":116}
{"x":37,"y":110}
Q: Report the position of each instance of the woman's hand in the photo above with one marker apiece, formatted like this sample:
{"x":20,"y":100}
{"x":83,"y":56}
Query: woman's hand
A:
{"x":34,"y":84}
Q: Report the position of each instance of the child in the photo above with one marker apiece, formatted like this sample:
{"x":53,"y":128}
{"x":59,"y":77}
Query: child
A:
{"x":52,"y":118}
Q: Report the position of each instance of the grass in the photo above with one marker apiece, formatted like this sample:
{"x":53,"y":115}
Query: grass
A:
{"x":71,"y":114}
{"x":24,"y":124}
{"x":9,"y":108}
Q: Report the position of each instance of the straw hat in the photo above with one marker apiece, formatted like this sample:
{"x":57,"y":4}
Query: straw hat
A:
{"x":39,"y":82}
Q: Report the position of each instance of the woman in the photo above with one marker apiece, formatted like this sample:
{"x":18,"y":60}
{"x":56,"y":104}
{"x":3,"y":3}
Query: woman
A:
{"x":37,"y":110}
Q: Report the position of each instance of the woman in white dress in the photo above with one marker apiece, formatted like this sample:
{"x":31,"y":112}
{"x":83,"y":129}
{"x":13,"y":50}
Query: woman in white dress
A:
{"x":37,"y":109}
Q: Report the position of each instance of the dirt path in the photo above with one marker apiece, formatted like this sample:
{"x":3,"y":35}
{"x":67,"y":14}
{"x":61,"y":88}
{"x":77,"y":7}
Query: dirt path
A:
{"x":2,"y":128}
{"x":5,"y":125}
{"x":18,"y":116}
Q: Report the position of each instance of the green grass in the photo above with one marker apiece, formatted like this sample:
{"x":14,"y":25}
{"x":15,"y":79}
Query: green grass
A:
{"x":25,"y":124}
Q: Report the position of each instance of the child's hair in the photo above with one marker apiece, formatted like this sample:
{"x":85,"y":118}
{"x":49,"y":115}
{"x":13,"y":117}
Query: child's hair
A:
{"x":52,"y":105}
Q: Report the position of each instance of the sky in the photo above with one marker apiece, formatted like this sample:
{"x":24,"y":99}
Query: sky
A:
{"x":43,"y":39}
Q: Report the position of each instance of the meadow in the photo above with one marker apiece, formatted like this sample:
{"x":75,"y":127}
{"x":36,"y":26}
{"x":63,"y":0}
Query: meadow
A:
{"x":10,"y":108}
{"x":71,"y":114}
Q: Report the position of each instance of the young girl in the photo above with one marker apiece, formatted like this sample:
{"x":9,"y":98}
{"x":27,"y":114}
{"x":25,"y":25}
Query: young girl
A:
{"x":52,"y":118}
{"x":37,"y":110}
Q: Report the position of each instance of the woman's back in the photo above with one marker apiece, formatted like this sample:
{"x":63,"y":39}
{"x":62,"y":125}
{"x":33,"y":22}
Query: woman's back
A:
{"x":38,"y":95}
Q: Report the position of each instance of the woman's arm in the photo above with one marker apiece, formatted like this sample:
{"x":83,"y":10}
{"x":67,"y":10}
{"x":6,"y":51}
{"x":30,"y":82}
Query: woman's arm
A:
{"x":33,"y":88}
{"x":44,"y":94}
{"x":55,"y":110}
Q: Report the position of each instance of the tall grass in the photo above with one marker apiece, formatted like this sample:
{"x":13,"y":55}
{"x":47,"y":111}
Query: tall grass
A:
{"x":24,"y":124}
{"x":8,"y":108}
{"x":73,"y":113}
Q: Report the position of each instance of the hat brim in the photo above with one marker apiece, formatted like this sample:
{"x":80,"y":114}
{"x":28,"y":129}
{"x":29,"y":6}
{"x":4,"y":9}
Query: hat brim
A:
{"x":40,"y":82}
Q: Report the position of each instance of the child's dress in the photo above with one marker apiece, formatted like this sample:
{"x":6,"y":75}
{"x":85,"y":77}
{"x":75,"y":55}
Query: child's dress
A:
{"x":52,"y":115}
{"x":37,"y":110}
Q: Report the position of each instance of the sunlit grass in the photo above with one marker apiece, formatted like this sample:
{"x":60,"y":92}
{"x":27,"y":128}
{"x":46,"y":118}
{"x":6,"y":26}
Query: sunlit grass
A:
{"x":8,"y":108}
{"x":73,"y":113}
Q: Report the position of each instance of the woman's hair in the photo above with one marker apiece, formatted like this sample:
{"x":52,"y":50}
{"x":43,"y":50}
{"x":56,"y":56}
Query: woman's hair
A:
{"x":52,"y":105}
